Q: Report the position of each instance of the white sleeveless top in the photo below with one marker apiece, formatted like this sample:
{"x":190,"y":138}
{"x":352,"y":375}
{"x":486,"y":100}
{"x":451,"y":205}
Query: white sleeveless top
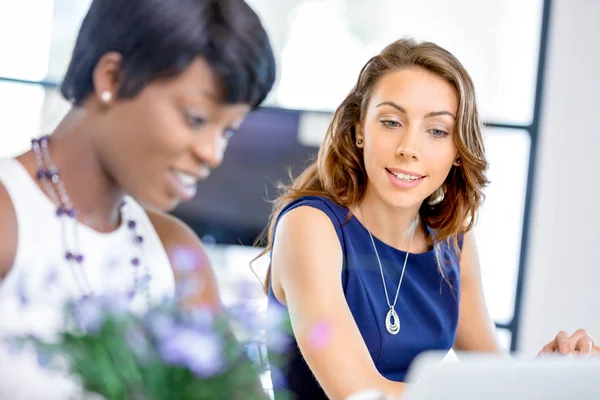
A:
{"x":33,"y":294}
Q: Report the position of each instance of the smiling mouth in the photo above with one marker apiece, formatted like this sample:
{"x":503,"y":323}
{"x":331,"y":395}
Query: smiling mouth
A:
{"x":183,"y":185}
{"x":405,"y":177}
{"x":185,"y":178}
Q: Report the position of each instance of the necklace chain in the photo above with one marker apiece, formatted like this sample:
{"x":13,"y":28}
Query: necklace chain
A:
{"x":49,"y":177}
{"x":392,"y":322}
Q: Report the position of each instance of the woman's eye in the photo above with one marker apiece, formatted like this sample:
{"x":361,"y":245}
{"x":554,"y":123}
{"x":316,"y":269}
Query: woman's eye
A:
{"x":194,"y":121}
{"x":391,"y":124}
{"x":438,"y":133}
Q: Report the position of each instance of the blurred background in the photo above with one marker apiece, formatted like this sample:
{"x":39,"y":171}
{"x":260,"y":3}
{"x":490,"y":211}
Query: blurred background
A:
{"x":535,"y":65}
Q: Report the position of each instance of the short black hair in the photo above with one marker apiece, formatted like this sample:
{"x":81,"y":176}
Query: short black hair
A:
{"x":160,"y":38}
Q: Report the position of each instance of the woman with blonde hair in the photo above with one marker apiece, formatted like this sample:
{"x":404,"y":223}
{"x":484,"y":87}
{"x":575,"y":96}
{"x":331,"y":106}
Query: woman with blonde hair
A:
{"x":372,"y":251}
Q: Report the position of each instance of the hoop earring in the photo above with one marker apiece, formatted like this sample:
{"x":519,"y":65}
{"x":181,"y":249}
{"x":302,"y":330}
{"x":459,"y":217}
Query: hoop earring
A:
{"x":438,"y":196}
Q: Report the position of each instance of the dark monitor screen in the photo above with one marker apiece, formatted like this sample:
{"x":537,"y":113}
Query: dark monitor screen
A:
{"x":232,"y":206}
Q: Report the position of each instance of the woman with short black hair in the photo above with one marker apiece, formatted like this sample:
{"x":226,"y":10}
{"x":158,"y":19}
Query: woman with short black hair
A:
{"x":158,"y":88}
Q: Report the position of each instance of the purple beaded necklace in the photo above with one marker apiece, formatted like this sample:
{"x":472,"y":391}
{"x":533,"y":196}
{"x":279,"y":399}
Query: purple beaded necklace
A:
{"x":49,"y":176}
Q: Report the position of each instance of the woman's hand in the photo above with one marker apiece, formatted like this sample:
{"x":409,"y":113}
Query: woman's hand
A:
{"x":580,"y":343}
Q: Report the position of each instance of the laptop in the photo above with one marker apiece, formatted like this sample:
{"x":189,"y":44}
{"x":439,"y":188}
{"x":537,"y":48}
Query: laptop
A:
{"x":477,"y":377}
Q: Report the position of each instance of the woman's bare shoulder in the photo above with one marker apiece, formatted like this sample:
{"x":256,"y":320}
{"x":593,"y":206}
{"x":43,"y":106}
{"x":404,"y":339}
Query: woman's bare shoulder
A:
{"x":8,"y":232}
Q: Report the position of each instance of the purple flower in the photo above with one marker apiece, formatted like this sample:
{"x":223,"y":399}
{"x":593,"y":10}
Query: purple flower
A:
{"x":247,"y":311}
{"x":188,"y":287}
{"x":249,"y":317}
{"x":89,"y":314}
{"x":278,"y":341}
{"x":12,"y":346}
{"x":138,"y":343}
{"x":185,"y":260}
{"x":44,"y":359}
{"x":161,"y":325}
{"x":278,"y":338}
{"x":113,"y":303}
{"x":201,"y":352}
{"x":247,"y":290}
{"x":202,"y":318}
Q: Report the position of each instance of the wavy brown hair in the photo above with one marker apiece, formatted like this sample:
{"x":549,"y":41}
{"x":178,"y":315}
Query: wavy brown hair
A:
{"x":339,"y":171}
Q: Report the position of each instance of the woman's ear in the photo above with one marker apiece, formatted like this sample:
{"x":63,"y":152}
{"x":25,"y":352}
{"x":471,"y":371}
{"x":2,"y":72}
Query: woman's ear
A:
{"x":359,"y":135}
{"x":106,"y":77}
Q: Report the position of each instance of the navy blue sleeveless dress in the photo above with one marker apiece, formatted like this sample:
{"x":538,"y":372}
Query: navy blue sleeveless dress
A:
{"x":427,"y":304}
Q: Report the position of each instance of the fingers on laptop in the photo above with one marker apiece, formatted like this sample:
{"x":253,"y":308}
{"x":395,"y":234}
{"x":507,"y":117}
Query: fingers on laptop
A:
{"x":580,"y":343}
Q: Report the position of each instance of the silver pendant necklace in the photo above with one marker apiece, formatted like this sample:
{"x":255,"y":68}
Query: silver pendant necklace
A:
{"x":392,"y":321}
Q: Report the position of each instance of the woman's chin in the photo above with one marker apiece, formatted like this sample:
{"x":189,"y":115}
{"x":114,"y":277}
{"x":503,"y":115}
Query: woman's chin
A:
{"x":404,"y":201}
{"x":165,"y":203}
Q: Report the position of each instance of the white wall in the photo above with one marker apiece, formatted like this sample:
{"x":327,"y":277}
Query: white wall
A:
{"x":562,"y":286}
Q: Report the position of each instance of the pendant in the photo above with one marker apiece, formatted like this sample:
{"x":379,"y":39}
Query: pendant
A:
{"x":392,"y":322}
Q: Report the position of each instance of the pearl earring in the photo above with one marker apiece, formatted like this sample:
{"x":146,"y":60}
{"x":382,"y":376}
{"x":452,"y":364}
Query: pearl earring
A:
{"x":359,"y":142}
{"x":106,"y":96}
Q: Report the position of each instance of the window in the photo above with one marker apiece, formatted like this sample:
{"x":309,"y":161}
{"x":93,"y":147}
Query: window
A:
{"x":25,"y":38}
{"x":21,"y":108}
{"x":499,"y":228}
{"x":326,"y":42}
